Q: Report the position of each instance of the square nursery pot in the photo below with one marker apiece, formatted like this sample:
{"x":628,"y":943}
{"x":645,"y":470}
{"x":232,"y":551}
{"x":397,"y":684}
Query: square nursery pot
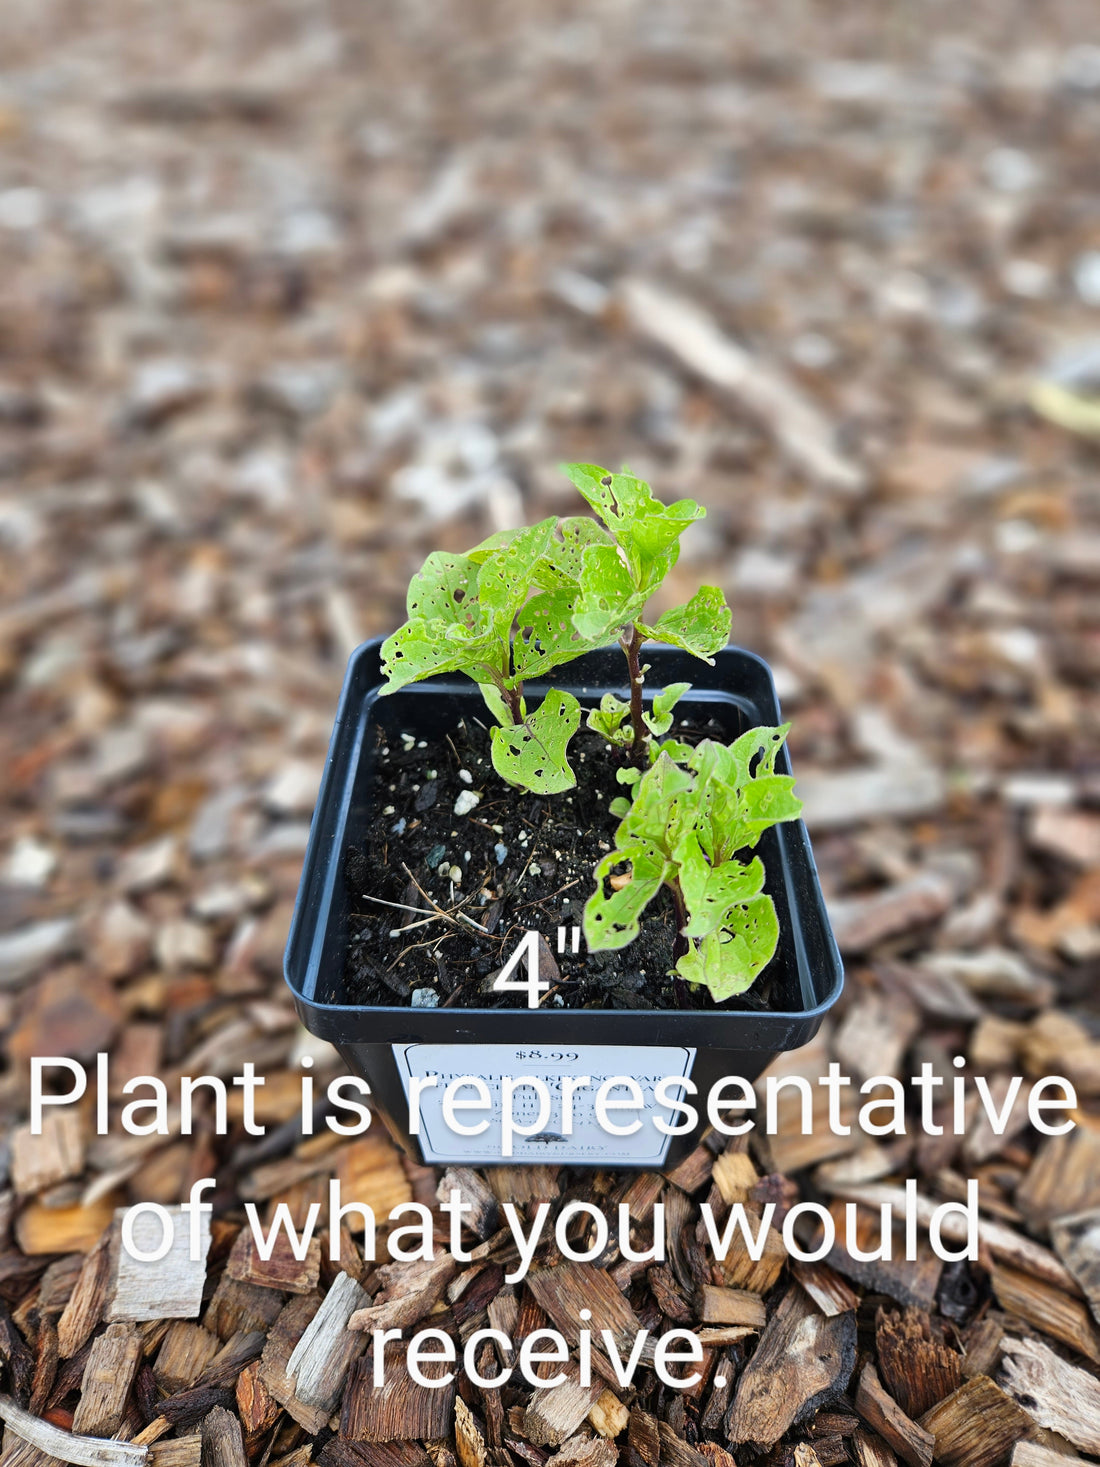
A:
{"x":387,"y":1045}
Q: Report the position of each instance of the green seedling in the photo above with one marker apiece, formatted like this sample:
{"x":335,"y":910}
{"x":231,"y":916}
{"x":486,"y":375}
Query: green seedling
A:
{"x":695,"y":817}
{"x":616,"y":578}
{"x":476,"y":614}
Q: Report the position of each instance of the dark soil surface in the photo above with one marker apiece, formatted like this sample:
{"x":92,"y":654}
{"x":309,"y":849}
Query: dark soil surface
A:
{"x":514,"y":863}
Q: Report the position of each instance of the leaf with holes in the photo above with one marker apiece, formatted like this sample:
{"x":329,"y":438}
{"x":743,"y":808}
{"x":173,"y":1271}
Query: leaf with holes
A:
{"x":710,"y":891}
{"x":608,"y":600}
{"x":728,"y":960}
{"x":646,"y":530}
{"x":611,"y":918}
{"x":505,"y":578}
{"x":700,"y":627}
{"x":422,"y":649}
{"x":546,"y":635}
{"x":445,"y":589}
{"x":532,"y":754}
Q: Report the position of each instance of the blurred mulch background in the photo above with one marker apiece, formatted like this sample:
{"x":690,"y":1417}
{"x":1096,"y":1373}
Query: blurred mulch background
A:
{"x":291,"y":293}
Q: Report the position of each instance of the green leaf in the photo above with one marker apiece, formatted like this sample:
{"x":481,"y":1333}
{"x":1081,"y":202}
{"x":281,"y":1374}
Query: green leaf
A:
{"x":563,"y":563}
{"x":608,"y":600}
{"x":710,"y":892}
{"x":531,"y":754}
{"x":496,"y":705}
{"x":445,"y":588}
{"x":700,"y":627}
{"x":728,"y":960}
{"x":659,"y":720}
{"x":422,"y":649}
{"x":647,"y":530}
{"x":611,"y":921}
{"x":504,"y":581}
{"x":609,"y":720}
{"x":546,"y":635}
{"x":676,"y":750}
{"x":658,"y":806}
{"x":619,"y":806}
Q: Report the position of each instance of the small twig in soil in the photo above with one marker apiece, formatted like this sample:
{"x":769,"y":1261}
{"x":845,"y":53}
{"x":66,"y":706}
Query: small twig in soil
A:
{"x":537,"y":901}
{"x":458,"y":915}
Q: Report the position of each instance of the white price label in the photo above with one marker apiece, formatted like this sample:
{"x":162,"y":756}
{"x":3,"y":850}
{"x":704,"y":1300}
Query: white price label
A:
{"x":584,"y":1141}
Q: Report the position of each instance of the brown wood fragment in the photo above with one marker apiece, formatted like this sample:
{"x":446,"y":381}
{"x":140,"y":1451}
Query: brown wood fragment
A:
{"x":399,"y":1409}
{"x":1047,"y":1309}
{"x":1076,"y":1240}
{"x":666,"y":1294}
{"x":832,"y":1293}
{"x":643,"y":1441}
{"x":1035,"y":1454}
{"x":340,"y":1453}
{"x":609,"y":1417}
{"x":408,"y":1292}
{"x":180,"y":1451}
{"x":108,"y":1376}
{"x":554,"y":1414}
{"x":725,"y":1334}
{"x":476,"y":1194}
{"x":740,"y":1271}
{"x":14,"y":1351}
{"x":584,"y":1451}
{"x":186,"y":1351}
{"x":52,"y":1444}
{"x":1002,"y":1242}
{"x":803,"y":1361}
{"x":690,"y":1174}
{"x":1063,"y":1179}
{"x":675,"y":1451}
{"x":911,"y":1442}
{"x":168,"y":1288}
{"x":916,"y":1368}
{"x":237,"y":1352}
{"x":37,"y":1162}
{"x":639,"y":1194}
{"x":911,"y":1281}
{"x":88,"y":1299}
{"x":523,"y":1184}
{"x":570,"y":1287}
{"x":977,"y":1425}
{"x":281,"y":1271}
{"x":730,"y":1306}
{"x":256,"y":1406}
{"x":319,"y":1361}
{"x":40,"y":1229}
{"x":469,"y":1442}
{"x":238,"y":1306}
{"x":869,"y":1450}
{"x":734,"y":1175}
{"x":1060,"y":1396}
{"x":281,"y":1340}
{"x":222,"y":1442}
{"x":717,"y":1456}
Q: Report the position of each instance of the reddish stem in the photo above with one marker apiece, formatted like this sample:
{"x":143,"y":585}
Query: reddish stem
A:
{"x":632,"y":646}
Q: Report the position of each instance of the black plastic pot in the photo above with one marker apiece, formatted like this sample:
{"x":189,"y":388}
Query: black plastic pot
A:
{"x":388,"y":1044}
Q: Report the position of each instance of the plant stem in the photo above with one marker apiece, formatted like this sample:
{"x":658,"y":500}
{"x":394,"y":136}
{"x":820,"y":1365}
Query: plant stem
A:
{"x":680,"y":946}
{"x":513,"y":697}
{"x":632,"y":646}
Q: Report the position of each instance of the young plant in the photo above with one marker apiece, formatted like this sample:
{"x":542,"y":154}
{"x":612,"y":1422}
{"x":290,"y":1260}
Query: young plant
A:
{"x":472,"y":614}
{"x":617,"y":577}
{"x":695,"y":816}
